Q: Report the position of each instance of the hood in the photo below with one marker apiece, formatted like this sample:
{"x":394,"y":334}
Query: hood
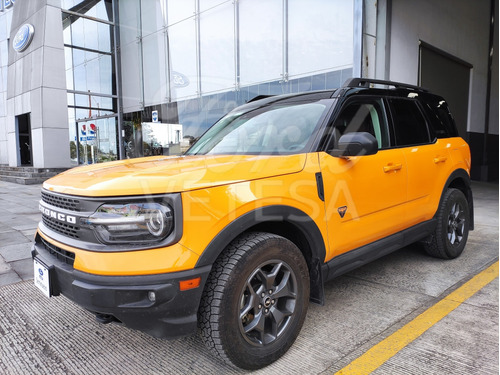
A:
{"x":160,"y":174}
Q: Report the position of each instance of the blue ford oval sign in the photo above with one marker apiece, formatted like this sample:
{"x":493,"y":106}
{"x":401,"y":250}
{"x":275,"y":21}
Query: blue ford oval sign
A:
{"x":179,"y":79}
{"x":23,"y":37}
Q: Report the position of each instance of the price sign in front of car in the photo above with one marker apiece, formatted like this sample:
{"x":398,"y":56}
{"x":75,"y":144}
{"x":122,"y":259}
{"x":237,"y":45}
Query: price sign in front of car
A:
{"x":41,"y":277}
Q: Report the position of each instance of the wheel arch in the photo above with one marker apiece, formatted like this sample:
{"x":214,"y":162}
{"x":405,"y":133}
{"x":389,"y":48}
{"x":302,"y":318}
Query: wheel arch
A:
{"x":460,"y":180}
{"x":289,"y":222}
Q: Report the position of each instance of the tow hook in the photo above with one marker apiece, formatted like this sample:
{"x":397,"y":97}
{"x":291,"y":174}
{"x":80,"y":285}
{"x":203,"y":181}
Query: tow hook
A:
{"x":105,"y":318}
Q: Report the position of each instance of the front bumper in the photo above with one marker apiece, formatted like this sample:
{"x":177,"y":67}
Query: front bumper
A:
{"x":172,"y":314}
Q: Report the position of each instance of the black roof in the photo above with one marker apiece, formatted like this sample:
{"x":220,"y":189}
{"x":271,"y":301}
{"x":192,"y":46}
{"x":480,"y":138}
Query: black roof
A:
{"x":351,"y":87}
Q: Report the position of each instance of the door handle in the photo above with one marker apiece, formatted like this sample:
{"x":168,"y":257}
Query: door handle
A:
{"x":440,"y":159}
{"x":392,"y":167}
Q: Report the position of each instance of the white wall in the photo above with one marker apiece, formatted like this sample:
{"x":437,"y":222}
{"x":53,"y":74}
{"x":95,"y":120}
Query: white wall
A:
{"x":458,"y":27}
{"x":37,"y":85}
{"x":5,"y":21}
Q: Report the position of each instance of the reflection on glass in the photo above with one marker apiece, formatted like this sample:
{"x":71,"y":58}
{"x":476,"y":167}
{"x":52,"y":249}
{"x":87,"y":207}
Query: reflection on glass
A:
{"x":153,"y":15}
{"x":319,"y":43}
{"x":155,"y":78}
{"x":130,"y":33}
{"x":73,"y":144}
{"x":97,"y":140}
{"x":217,"y":48}
{"x":132,"y":84}
{"x":261,"y":41}
{"x":68,"y":58}
{"x":95,"y":102}
{"x":101,"y":9}
{"x":161,"y":139}
{"x":130,"y":21}
{"x":104,"y":34}
{"x":182,"y":43}
{"x":83,"y":114}
{"x":183,"y":59}
{"x":89,"y":68}
{"x":92,"y":71}
{"x":273,"y":130}
{"x":85,"y":33}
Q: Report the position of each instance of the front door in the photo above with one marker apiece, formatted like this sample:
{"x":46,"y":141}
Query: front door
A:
{"x":364,"y":195}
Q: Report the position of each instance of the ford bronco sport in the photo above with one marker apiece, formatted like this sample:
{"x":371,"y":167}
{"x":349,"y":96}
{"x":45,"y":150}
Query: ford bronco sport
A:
{"x":278,"y":197}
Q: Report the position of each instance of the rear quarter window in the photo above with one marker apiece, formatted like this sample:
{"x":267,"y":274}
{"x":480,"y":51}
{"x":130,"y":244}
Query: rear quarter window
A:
{"x":440,"y":118}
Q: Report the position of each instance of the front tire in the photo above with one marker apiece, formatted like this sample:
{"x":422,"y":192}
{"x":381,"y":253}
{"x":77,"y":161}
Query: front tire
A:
{"x":449,"y":239}
{"x":255,"y":300}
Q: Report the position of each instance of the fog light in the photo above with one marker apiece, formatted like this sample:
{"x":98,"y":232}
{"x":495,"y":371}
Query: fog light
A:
{"x":152,"y":296}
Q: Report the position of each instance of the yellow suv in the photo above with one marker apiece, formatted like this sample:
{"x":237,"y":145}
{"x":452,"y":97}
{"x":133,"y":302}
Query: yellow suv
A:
{"x":237,"y":236}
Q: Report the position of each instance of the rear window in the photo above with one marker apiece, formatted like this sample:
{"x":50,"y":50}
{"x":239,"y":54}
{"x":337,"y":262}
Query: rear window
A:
{"x":410,"y":126}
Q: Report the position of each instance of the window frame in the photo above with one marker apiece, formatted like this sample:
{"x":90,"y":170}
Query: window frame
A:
{"x":329,"y":144}
{"x":258,"y":110}
{"x":431,"y":111}
{"x":392,"y":118}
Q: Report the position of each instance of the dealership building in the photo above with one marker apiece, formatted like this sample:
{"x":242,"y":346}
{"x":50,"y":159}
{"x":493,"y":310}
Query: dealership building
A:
{"x":88,"y":81}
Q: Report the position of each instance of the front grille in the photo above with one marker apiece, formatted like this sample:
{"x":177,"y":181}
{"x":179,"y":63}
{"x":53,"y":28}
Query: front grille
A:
{"x":60,"y":201}
{"x":66,"y":256}
{"x":62,"y":228}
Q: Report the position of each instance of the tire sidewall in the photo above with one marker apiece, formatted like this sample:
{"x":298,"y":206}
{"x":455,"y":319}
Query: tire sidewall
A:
{"x":273,"y":249}
{"x":453,"y":196}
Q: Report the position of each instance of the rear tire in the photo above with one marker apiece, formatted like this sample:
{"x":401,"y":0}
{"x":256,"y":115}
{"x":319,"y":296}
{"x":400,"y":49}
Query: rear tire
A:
{"x":255,"y":300}
{"x":449,"y":238}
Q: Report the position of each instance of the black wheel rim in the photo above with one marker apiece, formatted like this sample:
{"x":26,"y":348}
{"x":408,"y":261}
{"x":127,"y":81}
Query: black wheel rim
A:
{"x":267,"y":303}
{"x":456,"y":224}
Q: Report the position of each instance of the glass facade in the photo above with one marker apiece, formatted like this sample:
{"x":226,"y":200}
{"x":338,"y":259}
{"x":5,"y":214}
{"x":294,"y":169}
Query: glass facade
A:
{"x":192,"y":61}
{"x":88,"y":32}
{"x":185,"y":63}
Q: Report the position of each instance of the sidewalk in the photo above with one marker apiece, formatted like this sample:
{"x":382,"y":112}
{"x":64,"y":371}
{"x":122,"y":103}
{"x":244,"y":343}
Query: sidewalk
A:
{"x":19,"y":218}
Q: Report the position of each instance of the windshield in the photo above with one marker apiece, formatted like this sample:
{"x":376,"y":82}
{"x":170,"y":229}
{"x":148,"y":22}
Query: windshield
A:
{"x":276,"y":129}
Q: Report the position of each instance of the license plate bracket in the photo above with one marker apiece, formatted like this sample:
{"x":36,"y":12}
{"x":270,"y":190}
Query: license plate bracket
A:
{"x":43,"y":276}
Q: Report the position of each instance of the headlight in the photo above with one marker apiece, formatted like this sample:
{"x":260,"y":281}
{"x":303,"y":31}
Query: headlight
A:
{"x":132,"y":223}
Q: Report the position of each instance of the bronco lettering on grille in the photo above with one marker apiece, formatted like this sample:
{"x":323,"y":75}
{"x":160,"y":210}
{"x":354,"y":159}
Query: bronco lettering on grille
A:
{"x":57,"y":215}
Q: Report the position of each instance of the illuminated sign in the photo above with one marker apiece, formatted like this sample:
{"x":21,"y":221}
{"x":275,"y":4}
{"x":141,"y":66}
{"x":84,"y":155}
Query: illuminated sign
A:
{"x":23,"y":37}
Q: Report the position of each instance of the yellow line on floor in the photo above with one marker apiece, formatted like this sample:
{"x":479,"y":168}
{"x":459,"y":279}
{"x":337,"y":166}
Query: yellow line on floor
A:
{"x":390,"y":346}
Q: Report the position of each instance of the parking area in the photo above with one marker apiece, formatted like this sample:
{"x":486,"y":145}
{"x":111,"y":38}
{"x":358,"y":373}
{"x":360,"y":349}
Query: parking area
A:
{"x":381,"y":301}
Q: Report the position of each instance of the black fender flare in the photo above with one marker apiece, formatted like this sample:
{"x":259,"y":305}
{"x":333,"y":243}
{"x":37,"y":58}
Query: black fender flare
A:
{"x":463,"y":176}
{"x":300,"y":222}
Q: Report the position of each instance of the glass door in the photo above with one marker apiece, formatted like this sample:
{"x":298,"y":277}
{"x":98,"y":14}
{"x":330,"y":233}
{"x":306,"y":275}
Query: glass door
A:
{"x":97,"y":140}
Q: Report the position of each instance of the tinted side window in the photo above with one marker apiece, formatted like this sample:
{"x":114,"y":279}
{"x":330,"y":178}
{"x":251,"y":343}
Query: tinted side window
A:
{"x":363,"y":116}
{"x":441,"y":120}
{"x":409,"y":123}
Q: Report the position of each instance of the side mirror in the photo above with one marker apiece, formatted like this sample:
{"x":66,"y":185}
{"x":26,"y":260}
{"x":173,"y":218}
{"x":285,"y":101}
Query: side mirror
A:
{"x":355,"y":144}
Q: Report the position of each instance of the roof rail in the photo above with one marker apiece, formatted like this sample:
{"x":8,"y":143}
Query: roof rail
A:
{"x":259,"y":97}
{"x":365,"y":82}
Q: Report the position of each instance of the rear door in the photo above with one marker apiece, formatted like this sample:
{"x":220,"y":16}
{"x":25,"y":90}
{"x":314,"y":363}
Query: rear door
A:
{"x":364,"y":195}
{"x":427,"y":158}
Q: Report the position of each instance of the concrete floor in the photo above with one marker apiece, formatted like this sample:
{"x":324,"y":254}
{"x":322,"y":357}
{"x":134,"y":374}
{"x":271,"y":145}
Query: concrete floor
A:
{"x":55,"y":336}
